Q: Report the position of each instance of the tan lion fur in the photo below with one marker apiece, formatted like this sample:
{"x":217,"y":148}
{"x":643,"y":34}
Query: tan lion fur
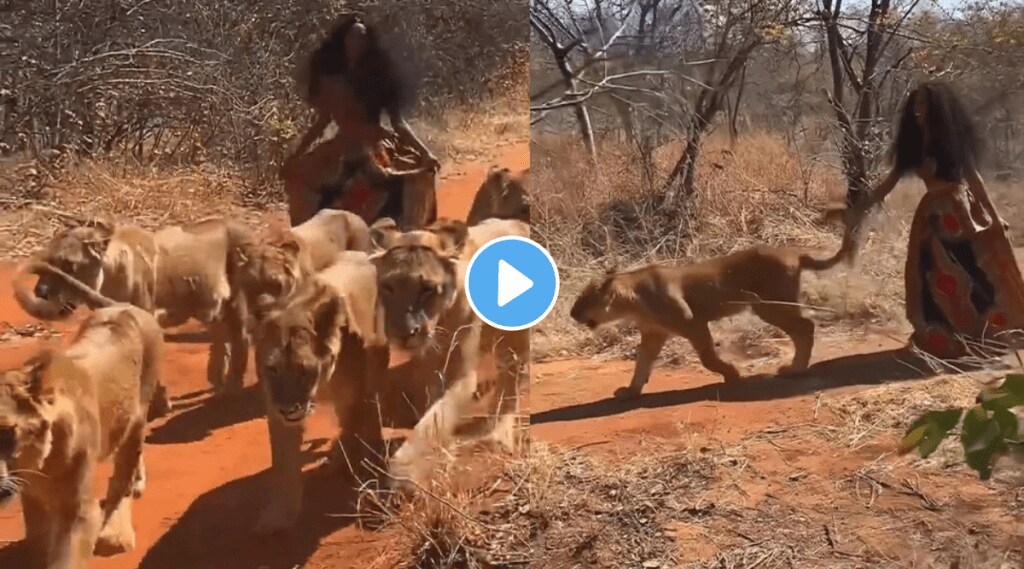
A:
{"x":503,"y":194}
{"x":420,"y":276}
{"x":277,"y":265}
{"x":61,"y":413}
{"x":161,"y":402}
{"x":667,"y":301}
{"x":324,"y":336}
{"x":177,"y":273}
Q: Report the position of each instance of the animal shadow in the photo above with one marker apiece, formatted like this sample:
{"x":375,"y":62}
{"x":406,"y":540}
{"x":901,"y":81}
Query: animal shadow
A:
{"x":216,"y":531}
{"x":194,"y":419}
{"x":879,"y":368}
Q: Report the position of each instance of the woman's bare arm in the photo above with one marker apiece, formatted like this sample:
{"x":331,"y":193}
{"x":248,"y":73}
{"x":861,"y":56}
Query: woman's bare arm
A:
{"x":404,"y":132}
{"x":314,"y":132}
{"x":882,"y":190}
{"x":854,"y":215}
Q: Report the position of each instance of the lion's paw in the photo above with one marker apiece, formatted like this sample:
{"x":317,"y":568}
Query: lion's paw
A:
{"x":114,"y":539}
{"x":160,"y":405}
{"x":732,"y":376}
{"x":627,"y":392}
{"x":138,"y":487}
{"x":407,"y":466}
{"x":276,"y":518}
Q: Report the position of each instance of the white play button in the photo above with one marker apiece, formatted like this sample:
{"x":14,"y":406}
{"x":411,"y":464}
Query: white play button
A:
{"x":511,"y":283}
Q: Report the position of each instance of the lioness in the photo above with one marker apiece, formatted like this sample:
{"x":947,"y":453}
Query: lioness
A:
{"x":326,"y":331}
{"x":680,"y":301}
{"x":502,"y":195}
{"x":61,"y":413}
{"x":161,"y":402}
{"x":176,"y":273}
{"x":420,"y":276}
{"x":275,"y":267}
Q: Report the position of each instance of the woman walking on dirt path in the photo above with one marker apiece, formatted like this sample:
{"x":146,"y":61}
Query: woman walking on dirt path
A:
{"x":962,"y":280}
{"x":351,"y":80}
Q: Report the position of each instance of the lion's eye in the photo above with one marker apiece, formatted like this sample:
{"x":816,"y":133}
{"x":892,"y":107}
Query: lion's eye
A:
{"x":428,"y":292}
{"x":7,"y":440}
{"x":387,"y":289}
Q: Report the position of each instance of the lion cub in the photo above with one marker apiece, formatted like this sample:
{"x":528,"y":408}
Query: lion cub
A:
{"x":61,"y":413}
{"x":680,"y":301}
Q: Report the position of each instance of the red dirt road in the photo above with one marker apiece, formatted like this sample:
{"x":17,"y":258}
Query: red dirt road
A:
{"x":206,"y":461}
{"x":787,"y":459}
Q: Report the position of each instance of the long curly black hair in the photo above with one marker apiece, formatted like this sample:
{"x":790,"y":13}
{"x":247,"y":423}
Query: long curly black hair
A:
{"x":949,"y":137}
{"x":375,"y":80}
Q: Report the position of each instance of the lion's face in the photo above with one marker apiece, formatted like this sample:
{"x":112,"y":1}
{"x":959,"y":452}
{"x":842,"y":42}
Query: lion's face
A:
{"x":25,"y":435}
{"x":297,"y":343}
{"x":417,"y":280}
{"x":79,"y":253}
{"x":507,"y":194}
{"x":594,"y":308}
{"x":274,"y":268}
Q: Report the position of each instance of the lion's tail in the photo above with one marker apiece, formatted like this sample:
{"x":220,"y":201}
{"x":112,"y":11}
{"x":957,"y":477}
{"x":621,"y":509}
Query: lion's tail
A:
{"x":48,"y":310}
{"x":845,"y":253}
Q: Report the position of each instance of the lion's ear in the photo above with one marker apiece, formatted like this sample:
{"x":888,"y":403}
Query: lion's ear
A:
{"x":452,"y":234}
{"x":328,"y":319}
{"x":41,"y":373}
{"x":290,"y":245}
{"x":383,"y":233}
{"x":103,"y":226}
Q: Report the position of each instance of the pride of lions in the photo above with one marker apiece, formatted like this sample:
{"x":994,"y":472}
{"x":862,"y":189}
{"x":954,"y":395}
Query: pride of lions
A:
{"x":323,"y":304}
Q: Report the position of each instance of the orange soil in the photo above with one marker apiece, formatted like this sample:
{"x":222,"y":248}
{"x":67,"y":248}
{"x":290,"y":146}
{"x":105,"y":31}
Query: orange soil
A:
{"x":206,"y":462}
{"x":777,"y":448}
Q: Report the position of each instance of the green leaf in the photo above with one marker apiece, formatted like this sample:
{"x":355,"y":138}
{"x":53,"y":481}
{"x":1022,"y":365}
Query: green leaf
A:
{"x":982,"y":440}
{"x":1014,"y":384}
{"x":927,"y":432}
{"x":1007,"y":396}
{"x":1009,"y":425}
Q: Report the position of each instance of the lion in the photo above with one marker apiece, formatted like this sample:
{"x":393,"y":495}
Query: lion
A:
{"x":420,"y":278}
{"x":278,"y":265}
{"x":61,"y":413}
{"x":326,"y":334}
{"x":160,"y":404}
{"x":502,"y":195}
{"x":177,"y":273}
{"x":664,"y":302}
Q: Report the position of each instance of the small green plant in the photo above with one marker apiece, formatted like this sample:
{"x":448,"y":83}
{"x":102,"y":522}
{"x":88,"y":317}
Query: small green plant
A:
{"x":988,"y":431}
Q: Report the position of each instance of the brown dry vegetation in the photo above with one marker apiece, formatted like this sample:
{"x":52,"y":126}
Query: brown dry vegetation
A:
{"x":769,"y":474}
{"x":157,"y":113}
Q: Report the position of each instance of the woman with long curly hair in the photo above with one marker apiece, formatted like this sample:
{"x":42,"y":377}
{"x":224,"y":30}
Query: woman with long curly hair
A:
{"x":352,"y":81}
{"x":962,"y":281}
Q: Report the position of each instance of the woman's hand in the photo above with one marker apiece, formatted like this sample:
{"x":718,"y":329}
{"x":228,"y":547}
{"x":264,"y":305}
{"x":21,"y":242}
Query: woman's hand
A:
{"x":431,"y":162}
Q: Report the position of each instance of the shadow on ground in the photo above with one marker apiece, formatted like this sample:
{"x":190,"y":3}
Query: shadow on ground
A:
{"x":216,"y":531}
{"x":879,"y":368}
{"x":195,"y":417}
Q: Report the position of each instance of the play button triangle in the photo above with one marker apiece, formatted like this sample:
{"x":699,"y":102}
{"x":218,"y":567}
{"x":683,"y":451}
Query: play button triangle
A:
{"x":511,"y":283}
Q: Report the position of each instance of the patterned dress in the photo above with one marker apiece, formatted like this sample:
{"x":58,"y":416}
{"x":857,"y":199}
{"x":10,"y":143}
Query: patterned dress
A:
{"x":327,"y":175}
{"x":963,"y":285}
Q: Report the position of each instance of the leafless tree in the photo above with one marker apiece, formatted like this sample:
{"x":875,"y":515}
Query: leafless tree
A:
{"x":688,"y":55}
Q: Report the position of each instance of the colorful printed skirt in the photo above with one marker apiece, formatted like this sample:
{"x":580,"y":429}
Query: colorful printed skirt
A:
{"x":963,"y":285}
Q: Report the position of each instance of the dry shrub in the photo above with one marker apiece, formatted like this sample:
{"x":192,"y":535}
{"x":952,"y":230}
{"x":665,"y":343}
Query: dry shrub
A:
{"x":757,"y":191}
{"x":586,"y":511}
{"x":174,"y":83}
{"x":470,"y":517}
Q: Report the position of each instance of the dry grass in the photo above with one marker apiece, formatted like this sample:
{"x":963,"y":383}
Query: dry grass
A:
{"x":469,"y":516}
{"x":40,"y":197}
{"x":758,"y":191}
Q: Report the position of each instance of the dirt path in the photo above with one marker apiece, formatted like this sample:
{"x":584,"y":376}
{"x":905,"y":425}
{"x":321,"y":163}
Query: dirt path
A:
{"x":206,"y":461}
{"x":805,"y":472}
